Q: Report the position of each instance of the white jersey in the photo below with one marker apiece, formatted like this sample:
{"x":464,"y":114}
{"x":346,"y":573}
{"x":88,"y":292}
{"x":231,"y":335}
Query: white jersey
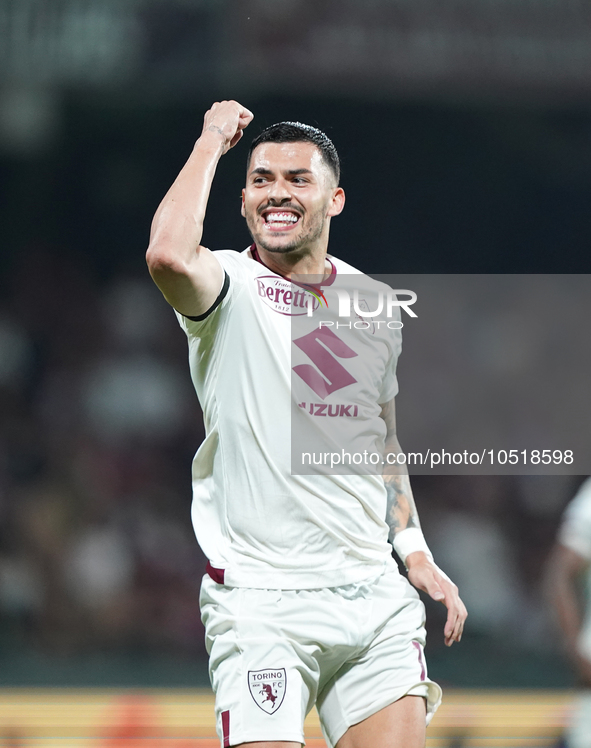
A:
{"x":258,"y":524}
{"x":575,"y":533}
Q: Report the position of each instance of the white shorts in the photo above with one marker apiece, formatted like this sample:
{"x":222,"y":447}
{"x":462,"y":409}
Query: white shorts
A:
{"x":350,"y":650}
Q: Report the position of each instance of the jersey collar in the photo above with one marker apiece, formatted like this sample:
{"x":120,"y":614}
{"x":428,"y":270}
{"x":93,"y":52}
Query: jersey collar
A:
{"x":326,"y":282}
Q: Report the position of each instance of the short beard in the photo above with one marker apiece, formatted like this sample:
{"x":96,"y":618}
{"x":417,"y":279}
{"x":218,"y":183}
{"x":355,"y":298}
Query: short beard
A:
{"x":286,"y":249}
{"x":311,"y":235}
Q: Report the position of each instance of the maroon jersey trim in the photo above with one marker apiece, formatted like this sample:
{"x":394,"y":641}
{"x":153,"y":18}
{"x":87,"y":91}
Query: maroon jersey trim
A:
{"x":328,"y":282}
{"x":216,"y":574}
{"x":226,"y":728}
{"x":421,"y":661}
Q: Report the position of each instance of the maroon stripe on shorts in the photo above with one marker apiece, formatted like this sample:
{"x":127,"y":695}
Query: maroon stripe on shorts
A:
{"x":421,"y":660}
{"x":216,"y":574}
{"x":226,"y":728}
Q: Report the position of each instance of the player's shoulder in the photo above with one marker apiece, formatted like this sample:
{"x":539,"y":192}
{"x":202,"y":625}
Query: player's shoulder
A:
{"x":581,"y":503}
{"x":366,"y":281}
{"x":343,"y":267}
{"x":231,"y":257}
{"x":237,"y":265}
{"x":575,"y":530}
{"x":363,"y":283}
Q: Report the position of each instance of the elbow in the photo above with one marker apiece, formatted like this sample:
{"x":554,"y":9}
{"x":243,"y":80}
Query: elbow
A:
{"x":161,"y":262}
{"x":156,"y":257}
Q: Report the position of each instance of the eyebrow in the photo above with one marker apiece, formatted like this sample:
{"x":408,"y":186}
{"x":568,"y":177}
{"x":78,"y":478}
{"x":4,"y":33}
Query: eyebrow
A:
{"x":291,"y":172}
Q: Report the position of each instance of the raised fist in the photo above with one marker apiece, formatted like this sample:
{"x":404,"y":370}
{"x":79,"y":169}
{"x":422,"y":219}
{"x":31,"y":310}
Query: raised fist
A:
{"x":228,"y":118}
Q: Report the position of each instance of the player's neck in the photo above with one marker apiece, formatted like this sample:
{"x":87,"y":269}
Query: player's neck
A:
{"x":312,"y":263}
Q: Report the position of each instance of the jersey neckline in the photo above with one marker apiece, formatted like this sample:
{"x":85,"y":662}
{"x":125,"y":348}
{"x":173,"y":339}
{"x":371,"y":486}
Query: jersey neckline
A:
{"x":328,"y":282}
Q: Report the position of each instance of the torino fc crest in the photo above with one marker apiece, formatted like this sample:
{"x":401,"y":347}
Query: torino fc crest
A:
{"x":267,"y":688}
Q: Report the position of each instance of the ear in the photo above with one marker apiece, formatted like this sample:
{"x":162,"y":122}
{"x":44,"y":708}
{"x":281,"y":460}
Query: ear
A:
{"x":337,"y":202}
{"x":242,"y":211}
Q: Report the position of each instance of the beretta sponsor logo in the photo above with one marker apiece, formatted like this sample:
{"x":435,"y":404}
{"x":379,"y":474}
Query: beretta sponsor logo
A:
{"x":285,"y":297}
{"x":267,"y":688}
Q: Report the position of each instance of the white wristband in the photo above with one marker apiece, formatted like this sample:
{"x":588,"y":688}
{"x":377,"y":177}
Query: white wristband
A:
{"x":410,"y":540}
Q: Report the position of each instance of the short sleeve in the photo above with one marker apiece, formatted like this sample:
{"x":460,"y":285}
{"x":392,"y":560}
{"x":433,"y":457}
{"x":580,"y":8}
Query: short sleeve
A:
{"x":197,"y":326}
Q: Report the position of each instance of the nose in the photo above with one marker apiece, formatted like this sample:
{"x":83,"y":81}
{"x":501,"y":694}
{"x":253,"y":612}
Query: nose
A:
{"x":279,"y":192}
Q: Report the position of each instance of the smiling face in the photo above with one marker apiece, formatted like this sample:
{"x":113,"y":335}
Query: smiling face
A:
{"x":289,"y":198}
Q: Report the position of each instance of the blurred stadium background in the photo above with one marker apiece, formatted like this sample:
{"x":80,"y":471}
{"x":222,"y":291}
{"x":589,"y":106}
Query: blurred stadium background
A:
{"x":465,"y":133}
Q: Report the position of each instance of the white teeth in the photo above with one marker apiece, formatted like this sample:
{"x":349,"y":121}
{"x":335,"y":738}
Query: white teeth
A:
{"x":281,"y":218}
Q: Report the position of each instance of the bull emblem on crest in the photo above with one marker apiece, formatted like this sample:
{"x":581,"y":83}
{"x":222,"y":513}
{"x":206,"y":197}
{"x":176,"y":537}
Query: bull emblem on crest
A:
{"x":267,"y":688}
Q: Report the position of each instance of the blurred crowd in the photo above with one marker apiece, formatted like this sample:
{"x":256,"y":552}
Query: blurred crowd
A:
{"x":98,"y":425}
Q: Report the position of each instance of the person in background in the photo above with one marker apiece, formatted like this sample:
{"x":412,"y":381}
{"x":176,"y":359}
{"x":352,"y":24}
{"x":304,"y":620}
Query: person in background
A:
{"x":568,"y":581}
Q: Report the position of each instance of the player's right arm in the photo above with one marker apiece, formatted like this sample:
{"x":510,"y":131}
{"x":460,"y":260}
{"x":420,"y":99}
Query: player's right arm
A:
{"x":564,"y":570}
{"x":188,"y":274}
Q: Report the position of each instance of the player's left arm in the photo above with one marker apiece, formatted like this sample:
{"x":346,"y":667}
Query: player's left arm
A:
{"x":407,"y":538}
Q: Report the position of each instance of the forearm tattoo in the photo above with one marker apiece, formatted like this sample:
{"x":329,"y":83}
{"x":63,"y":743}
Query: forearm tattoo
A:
{"x":401,"y":510}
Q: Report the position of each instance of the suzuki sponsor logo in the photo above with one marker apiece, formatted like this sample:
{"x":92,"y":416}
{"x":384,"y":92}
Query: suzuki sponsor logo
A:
{"x":332,"y":410}
{"x":328,"y":375}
